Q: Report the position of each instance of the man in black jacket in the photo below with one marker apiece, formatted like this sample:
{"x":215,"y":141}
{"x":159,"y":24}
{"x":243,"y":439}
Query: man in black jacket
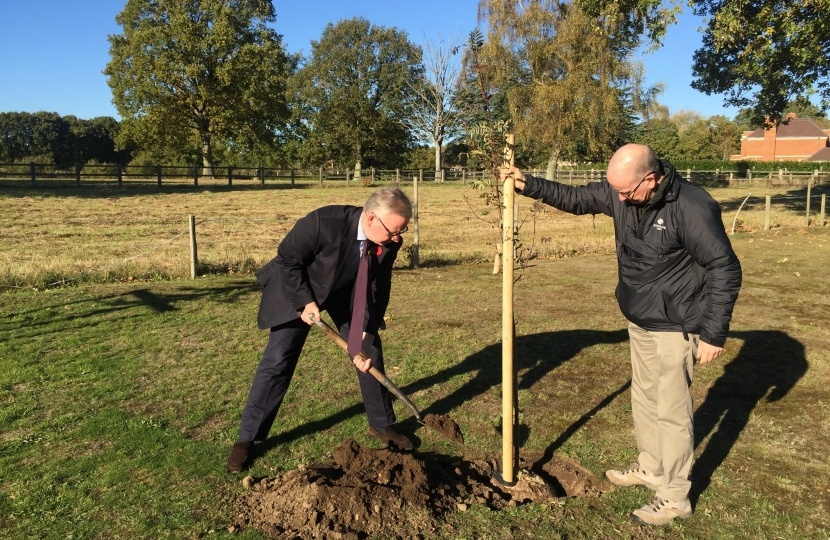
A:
{"x":314,"y":270}
{"x":678,"y":282}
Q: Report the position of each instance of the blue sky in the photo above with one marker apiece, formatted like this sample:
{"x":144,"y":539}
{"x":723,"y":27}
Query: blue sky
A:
{"x":53,"y":52}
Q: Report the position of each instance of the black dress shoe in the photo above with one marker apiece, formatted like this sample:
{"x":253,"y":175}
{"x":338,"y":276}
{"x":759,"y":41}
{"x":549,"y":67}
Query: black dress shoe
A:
{"x":390,"y":435}
{"x":238,"y":456}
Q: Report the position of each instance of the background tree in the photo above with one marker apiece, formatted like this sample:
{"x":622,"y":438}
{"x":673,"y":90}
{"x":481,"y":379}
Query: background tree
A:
{"x":763,"y":53}
{"x":802,"y":106}
{"x":188,"y":75}
{"x":94,"y":140}
{"x":355,"y":97}
{"x":433,"y":116}
{"x":661,"y":134}
{"x":482,"y":106}
{"x":571,"y":82}
{"x":15,"y":136}
{"x":40,"y":137}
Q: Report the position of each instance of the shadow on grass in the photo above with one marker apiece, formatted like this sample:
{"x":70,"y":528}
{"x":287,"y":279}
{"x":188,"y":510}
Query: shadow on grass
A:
{"x":30,"y":320}
{"x":768,"y":366}
{"x":536,"y":356}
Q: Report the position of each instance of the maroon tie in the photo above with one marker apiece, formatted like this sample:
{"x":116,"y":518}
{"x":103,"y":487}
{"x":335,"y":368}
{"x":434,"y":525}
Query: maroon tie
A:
{"x":360,"y":295}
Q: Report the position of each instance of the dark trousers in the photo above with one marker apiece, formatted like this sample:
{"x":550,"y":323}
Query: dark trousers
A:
{"x":274,"y":372}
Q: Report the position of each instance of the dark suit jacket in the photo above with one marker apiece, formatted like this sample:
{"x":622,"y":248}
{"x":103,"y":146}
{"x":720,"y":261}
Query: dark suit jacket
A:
{"x":309,"y":260}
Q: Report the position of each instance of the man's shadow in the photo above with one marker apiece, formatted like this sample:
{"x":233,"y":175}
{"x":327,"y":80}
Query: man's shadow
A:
{"x":768,"y":366}
{"x":535,"y":356}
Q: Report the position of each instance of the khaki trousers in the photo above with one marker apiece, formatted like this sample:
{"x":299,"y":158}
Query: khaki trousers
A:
{"x":661,"y":375}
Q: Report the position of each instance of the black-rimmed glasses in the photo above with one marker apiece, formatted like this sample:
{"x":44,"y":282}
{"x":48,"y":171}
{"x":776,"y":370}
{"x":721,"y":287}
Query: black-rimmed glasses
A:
{"x":630,"y":192}
{"x":390,"y":233}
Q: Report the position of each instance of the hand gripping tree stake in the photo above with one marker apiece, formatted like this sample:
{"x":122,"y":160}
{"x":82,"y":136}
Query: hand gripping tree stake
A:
{"x":507,"y":475}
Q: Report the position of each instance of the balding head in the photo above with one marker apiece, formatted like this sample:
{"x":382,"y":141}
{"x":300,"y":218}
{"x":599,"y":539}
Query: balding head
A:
{"x":632,"y":162}
{"x":628,"y":168}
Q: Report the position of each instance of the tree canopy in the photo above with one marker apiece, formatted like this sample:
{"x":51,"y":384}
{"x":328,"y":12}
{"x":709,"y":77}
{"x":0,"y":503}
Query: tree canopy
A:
{"x":64,"y":141}
{"x":355,"y":94}
{"x":187,"y":72}
{"x":761,"y":54}
{"x":566,"y":71}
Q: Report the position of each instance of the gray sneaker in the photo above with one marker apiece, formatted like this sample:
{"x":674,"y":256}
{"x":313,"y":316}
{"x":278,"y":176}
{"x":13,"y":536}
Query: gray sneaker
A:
{"x":661,"y":512}
{"x":634,"y":475}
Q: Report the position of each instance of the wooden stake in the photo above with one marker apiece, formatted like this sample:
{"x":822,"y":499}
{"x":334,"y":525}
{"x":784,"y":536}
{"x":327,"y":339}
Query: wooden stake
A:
{"x":416,"y":233}
{"x":194,"y":258}
{"x":508,"y":369}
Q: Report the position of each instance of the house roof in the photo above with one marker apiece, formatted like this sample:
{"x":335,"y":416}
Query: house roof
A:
{"x":795,"y":128}
{"x":821,"y":155}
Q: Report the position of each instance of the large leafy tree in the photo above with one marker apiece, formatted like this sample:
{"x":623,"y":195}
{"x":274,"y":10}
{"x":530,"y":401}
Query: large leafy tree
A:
{"x":763,"y":53}
{"x":565,"y":67}
{"x":355,"y":95}
{"x":187,"y":75}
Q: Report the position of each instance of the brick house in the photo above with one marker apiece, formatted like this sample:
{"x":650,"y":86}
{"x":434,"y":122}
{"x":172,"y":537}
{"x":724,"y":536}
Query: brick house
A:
{"x":800,"y":139}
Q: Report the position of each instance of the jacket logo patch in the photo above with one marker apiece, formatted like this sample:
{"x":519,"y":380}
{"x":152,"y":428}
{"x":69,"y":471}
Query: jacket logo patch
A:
{"x":659,"y":225}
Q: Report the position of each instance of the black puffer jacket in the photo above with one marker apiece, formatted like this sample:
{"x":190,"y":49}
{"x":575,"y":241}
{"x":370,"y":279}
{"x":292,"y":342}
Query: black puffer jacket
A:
{"x":677,"y":270}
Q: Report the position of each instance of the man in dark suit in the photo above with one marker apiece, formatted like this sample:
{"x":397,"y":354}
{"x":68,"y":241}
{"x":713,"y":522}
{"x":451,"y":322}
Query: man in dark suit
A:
{"x":315,"y":270}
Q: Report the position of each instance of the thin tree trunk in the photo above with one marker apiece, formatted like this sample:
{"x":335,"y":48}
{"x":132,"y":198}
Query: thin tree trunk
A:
{"x":553,"y":163}
{"x":439,"y":162}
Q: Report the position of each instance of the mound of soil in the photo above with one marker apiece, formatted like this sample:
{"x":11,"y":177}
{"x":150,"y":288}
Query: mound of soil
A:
{"x":366,"y":492}
{"x":445,"y":426}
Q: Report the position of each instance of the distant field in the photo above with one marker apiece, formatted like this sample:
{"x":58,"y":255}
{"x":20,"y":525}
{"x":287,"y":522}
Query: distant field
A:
{"x":121,"y":392}
{"x":69,"y":235}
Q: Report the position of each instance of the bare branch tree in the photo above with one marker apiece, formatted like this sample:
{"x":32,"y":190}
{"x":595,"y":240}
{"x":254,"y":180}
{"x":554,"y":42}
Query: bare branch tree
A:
{"x":433,"y":117}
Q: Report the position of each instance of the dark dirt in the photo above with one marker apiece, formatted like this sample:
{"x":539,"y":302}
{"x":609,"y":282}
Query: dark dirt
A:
{"x":445,"y":426}
{"x":366,"y":492}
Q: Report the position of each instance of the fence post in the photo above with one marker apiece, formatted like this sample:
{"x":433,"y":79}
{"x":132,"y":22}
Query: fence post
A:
{"x":230,"y":175}
{"x":821,"y":213}
{"x":320,"y":173}
{"x":78,"y":174}
{"x":809,"y":189}
{"x":749,"y":172}
{"x":193,"y":257}
{"x":120,"y":175}
{"x":420,"y":175}
{"x":196,"y":175}
{"x":261,"y":175}
{"x":158,"y":174}
{"x":292,"y":176}
{"x":767,"y":209}
{"x":443,"y":175}
{"x":464,"y":175}
{"x":397,"y":176}
{"x":416,"y":237}
{"x":32,"y":172}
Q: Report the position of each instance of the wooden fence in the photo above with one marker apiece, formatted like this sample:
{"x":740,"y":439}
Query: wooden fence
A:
{"x":45,"y":176}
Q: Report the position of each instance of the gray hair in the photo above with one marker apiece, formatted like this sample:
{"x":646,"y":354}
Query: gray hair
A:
{"x":389,"y":200}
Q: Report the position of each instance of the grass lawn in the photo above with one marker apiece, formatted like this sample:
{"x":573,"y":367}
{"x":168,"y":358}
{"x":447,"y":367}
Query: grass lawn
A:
{"x":119,"y":399}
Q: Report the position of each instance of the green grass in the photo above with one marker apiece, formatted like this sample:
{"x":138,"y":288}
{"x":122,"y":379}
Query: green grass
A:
{"x":119,"y":401}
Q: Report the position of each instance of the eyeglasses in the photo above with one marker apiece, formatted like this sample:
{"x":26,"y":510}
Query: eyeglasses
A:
{"x":630,"y":192}
{"x":390,"y":233}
